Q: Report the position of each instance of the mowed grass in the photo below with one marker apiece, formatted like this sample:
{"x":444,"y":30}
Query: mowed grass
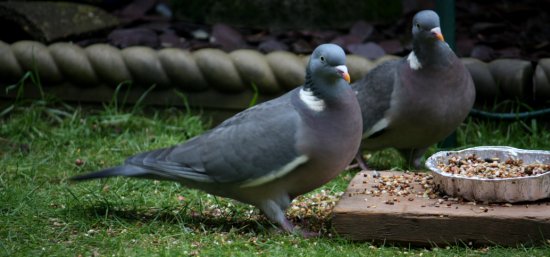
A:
{"x":42,"y":214}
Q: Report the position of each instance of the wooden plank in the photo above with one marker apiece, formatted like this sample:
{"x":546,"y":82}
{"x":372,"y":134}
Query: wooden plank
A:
{"x":418,"y":220}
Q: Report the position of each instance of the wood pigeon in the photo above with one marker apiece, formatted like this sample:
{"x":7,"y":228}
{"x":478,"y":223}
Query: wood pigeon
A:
{"x":272,"y":152}
{"x":414,"y":102}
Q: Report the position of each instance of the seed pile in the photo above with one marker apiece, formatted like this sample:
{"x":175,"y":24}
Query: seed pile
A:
{"x":491,"y":168}
{"x":403,"y":185}
{"x":318,"y":205}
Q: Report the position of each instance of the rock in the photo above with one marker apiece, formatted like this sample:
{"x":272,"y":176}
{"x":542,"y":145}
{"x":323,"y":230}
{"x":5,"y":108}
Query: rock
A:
{"x":136,"y":9}
{"x":361,"y":29}
{"x":227,"y":37}
{"x":464,"y":46}
{"x":170,"y":39}
{"x":134,"y":37}
{"x":197,"y":44}
{"x":54,"y":21}
{"x":509,"y":52}
{"x":258,"y":38}
{"x":302,"y":47}
{"x":346,"y":40}
{"x":164,"y":10}
{"x":483,"y":53}
{"x":200,"y":34}
{"x":321,"y":36}
{"x":272,"y":45}
{"x":369,"y":50}
{"x":391,"y":46}
{"x":157,"y":26}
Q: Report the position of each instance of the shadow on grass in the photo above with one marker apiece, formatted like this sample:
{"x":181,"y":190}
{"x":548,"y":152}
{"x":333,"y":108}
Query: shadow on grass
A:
{"x":204,"y":222}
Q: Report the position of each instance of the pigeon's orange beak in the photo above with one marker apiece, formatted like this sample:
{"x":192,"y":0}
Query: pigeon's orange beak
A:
{"x":343,"y":70}
{"x":437,"y":33}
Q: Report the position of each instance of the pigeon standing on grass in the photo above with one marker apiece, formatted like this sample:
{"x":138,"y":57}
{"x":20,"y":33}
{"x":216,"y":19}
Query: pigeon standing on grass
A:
{"x":414,"y":102}
{"x":270,"y":153}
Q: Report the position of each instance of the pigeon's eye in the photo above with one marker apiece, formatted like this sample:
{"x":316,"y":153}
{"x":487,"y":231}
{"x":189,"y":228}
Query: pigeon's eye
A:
{"x":322,"y":58}
{"x":418,"y":25}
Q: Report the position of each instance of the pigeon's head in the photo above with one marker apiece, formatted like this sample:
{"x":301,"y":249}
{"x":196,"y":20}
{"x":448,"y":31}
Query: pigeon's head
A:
{"x":425,"y":27}
{"x":328,"y":62}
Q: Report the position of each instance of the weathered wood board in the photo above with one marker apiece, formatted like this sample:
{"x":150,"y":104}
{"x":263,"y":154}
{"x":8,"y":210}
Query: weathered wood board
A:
{"x":418,"y":220}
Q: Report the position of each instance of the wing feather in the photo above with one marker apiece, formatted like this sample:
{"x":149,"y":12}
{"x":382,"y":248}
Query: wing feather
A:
{"x":250,"y":145}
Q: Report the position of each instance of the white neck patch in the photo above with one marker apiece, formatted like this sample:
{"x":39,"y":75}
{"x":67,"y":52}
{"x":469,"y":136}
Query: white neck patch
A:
{"x":311,"y":101}
{"x":413,"y":61}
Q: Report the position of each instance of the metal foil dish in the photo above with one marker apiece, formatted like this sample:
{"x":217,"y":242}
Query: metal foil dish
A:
{"x":511,"y":174}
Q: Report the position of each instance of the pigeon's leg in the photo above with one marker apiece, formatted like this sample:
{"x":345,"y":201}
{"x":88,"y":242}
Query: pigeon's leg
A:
{"x":363,"y":164}
{"x":413,"y":157}
{"x":275,"y":212}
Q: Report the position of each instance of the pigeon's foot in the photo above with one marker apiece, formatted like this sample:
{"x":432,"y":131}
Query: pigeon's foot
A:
{"x":308,"y":234}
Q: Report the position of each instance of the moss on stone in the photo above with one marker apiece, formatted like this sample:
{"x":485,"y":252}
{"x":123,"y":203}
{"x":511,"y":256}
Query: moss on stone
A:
{"x":53,"y":21}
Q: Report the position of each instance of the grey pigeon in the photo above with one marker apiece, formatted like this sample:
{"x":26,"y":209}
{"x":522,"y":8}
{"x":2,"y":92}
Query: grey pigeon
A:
{"x":414,"y":102}
{"x":270,"y":153}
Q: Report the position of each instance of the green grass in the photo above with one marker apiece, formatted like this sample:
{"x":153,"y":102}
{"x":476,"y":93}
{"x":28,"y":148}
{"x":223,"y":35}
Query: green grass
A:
{"x":41,"y":213}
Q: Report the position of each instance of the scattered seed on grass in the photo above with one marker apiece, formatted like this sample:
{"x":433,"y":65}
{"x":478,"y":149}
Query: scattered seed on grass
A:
{"x":79,"y":162}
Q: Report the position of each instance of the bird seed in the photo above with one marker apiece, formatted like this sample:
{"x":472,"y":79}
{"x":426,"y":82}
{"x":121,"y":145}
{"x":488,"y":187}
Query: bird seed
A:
{"x":491,"y":168}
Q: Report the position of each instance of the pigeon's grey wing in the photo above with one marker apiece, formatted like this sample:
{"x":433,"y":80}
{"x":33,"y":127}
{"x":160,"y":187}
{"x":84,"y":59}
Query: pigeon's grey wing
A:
{"x":374,"y":92}
{"x":250,"y":147}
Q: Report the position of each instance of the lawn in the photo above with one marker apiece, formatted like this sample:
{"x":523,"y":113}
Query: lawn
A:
{"x":42,"y":143}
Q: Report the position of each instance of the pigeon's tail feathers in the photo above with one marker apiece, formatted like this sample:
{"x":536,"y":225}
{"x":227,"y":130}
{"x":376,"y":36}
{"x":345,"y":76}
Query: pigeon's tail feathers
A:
{"x":123,"y":170}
